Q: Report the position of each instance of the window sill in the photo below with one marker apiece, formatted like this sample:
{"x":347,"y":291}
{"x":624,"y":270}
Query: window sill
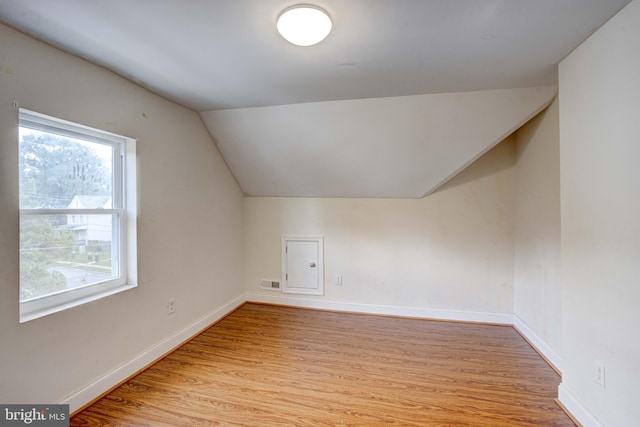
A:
{"x":30,"y":311}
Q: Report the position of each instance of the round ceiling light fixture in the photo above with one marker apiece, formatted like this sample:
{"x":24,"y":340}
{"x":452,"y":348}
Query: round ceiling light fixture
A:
{"x":304,"y":25}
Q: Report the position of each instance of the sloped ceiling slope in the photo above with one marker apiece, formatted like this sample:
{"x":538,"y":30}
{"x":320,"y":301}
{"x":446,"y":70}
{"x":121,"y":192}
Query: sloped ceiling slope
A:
{"x":370,"y":122}
{"x":396,"y":147}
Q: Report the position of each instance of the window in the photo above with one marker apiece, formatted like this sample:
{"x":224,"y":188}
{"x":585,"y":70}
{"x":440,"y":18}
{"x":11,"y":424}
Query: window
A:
{"x":77,"y":214}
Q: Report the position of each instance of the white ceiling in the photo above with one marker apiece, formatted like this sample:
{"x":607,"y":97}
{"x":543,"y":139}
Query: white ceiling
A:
{"x":394,"y":147}
{"x":226,"y":54}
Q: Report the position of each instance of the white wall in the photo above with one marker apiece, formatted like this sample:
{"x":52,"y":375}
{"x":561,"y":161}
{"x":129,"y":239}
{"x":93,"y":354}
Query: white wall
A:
{"x":537,"y":285}
{"x":600,"y":199}
{"x":190,"y":225}
{"x":452,"y":250}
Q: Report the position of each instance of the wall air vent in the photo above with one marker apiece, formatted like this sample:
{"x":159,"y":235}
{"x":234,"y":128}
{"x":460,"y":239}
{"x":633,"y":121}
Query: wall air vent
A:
{"x":272,"y":285}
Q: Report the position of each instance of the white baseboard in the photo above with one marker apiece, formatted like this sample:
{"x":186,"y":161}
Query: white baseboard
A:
{"x":538,"y":343}
{"x":93,"y":390}
{"x":577,"y":410}
{"x":421,"y":313}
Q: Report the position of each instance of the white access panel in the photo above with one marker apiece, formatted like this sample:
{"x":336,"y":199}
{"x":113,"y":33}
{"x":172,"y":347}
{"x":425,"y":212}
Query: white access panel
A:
{"x":303,"y":265}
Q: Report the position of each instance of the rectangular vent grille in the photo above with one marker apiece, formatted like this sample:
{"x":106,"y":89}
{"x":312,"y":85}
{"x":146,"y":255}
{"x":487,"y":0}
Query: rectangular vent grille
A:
{"x":272,"y":285}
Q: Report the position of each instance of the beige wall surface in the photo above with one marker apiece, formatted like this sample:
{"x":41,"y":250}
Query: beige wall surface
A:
{"x":189,"y":225}
{"x":537,"y":285}
{"x":600,"y":197}
{"x":452,"y":250}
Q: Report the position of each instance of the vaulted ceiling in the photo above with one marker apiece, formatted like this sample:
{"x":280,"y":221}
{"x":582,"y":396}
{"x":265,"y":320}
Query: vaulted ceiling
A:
{"x":396,"y":147}
{"x":398,"y":98}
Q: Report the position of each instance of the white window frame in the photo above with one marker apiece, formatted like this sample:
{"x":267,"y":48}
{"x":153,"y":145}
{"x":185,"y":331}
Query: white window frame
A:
{"x":123,"y":211}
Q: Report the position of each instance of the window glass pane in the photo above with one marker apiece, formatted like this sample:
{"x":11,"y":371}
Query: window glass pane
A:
{"x":62,"y":252}
{"x":58,"y":170}
{"x":77,"y":231}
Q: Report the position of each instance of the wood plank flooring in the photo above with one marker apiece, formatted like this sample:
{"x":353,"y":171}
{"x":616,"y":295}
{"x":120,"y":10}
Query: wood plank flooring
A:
{"x":266,"y":366}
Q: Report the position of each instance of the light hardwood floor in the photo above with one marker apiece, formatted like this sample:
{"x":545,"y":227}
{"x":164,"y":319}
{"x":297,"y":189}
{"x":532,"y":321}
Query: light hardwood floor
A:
{"x":266,"y":365}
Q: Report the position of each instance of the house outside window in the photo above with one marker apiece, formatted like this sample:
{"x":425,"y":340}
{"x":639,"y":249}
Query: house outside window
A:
{"x":77,"y":214}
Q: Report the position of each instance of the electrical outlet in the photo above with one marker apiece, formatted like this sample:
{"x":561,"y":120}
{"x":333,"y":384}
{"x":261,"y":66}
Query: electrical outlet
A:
{"x":599,"y":373}
{"x":171,"y":306}
{"x":339,"y":279}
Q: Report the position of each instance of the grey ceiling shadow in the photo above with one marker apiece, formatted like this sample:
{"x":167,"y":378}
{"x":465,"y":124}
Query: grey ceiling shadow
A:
{"x":500,"y":157}
{"x":532,"y":128}
{"x":484,"y":166}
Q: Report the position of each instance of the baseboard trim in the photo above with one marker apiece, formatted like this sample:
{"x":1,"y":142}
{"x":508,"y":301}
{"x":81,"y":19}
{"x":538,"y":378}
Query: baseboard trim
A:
{"x":576,"y":409}
{"x":110,"y":380}
{"x":387,"y":310}
{"x":538,"y":344}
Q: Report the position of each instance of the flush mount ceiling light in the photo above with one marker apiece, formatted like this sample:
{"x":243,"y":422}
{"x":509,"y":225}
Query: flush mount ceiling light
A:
{"x":304,"y":25}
